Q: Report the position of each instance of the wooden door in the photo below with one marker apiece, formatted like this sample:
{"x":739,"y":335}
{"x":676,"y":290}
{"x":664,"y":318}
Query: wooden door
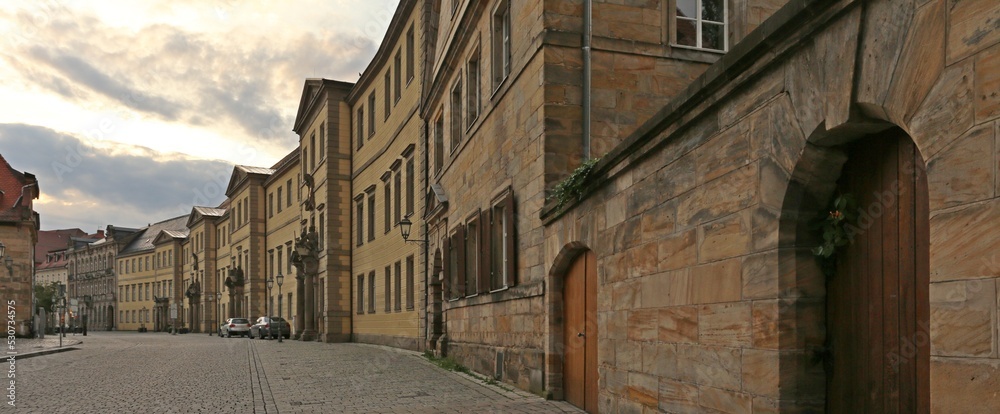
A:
{"x":580,"y":333}
{"x":877,"y":303}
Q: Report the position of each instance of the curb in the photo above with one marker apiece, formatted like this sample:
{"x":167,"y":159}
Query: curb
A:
{"x":46,"y":352}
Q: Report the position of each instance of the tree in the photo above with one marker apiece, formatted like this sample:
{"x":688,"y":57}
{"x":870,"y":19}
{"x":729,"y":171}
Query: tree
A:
{"x":45,"y":295}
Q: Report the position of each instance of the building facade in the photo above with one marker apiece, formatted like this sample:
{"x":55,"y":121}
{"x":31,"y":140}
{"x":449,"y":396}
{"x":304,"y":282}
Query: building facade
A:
{"x":282,"y":226}
{"x":385,"y":181}
{"x":19,"y":225}
{"x":149,"y":269}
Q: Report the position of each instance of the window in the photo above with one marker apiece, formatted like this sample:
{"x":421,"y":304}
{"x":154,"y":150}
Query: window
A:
{"x":361,"y":128}
{"x":371,"y":214}
{"x":279,"y":259}
{"x":371,"y":113}
{"x":322,"y":145}
{"x":410,"y":177}
{"x":371,"y":292}
{"x":501,"y":43}
{"x":246,"y":210}
{"x":409,"y":283}
{"x":360,"y":205}
{"x":270,"y":205}
{"x":388,"y":289}
{"x":455,"y":254}
{"x":456,"y":114}
{"x":305,"y":159}
{"x":388,"y":92}
{"x":701,"y":24}
{"x":312,"y":155}
{"x":502,"y":243}
{"x":322,"y":232}
{"x":397,"y":194}
{"x":387,"y":195}
{"x":472,"y":257}
{"x":398,"y":80}
{"x":361,"y":294}
{"x":439,"y":142}
{"x":399,"y":286}
{"x":473,"y":92}
{"x":410,"y":54}
{"x":288,"y":253}
{"x":289,"y":195}
{"x":279,"y":199}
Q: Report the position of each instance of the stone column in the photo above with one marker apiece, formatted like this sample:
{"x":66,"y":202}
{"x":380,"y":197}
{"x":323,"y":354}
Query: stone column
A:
{"x":311,"y":265}
{"x":300,"y":304}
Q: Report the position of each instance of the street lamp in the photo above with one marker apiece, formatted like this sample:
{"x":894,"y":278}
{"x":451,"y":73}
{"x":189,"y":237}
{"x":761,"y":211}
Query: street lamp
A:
{"x":208,"y":298}
{"x":404,"y":228}
{"x":218,"y":310}
{"x":270,"y":285}
{"x":281,"y":278}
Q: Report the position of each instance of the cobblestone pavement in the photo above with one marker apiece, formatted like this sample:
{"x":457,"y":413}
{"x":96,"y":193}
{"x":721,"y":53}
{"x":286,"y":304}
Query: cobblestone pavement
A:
{"x":126,"y":372}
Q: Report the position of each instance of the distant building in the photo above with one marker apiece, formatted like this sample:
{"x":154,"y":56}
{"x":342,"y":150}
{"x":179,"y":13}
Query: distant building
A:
{"x":19,"y":224}
{"x":148,"y":267}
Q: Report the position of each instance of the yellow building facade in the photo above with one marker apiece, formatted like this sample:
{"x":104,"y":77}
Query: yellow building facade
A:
{"x":246,"y":245}
{"x":323,"y":124}
{"x":282,"y":226}
{"x":147,"y":268}
{"x":386,"y":134}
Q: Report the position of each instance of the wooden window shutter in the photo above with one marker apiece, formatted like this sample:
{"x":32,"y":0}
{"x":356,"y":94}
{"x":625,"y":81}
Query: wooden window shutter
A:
{"x":508,"y":204}
{"x":460,"y":250}
{"x":484,"y":250}
{"x":446,"y":268}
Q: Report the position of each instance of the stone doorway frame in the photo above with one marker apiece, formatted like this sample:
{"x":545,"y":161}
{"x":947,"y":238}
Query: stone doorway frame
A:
{"x":554,"y":307}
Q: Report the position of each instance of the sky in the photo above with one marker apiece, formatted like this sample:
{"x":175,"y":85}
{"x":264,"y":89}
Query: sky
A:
{"x":130,"y":112}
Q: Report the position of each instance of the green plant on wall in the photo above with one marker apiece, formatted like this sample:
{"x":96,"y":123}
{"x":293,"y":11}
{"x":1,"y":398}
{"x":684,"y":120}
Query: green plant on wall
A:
{"x":571,"y":189}
{"x":836,"y":226}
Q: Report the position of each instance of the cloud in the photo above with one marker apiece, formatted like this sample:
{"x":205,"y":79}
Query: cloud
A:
{"x":90,"y":184}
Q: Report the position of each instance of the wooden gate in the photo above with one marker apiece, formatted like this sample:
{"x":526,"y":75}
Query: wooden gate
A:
{"x":877,"y":303}
{"x":580,"y":333}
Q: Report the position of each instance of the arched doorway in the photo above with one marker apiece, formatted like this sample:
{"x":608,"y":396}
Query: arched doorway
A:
{"x":110,"y":318}
{"x":877,"y":307}
{"x":580,"y":332}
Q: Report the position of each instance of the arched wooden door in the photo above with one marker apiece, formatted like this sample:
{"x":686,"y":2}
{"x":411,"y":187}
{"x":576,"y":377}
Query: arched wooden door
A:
{"x":580,"y":333}
{"x":877,"y":303}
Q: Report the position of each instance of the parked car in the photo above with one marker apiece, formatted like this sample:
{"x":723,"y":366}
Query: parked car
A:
{"x":235,"y":326}
{"x":270,"y":328}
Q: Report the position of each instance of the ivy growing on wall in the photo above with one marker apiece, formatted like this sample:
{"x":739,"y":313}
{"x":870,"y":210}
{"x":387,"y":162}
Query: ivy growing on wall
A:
{"x":835,"y":227}
{"x":571,"y":189}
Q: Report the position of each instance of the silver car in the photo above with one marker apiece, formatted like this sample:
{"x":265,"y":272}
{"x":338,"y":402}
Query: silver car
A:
{"x":270,"y":328}
{"x":235,"y":326}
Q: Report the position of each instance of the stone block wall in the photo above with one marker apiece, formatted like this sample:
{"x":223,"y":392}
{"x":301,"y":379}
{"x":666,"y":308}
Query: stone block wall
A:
{"x":708,"y":297}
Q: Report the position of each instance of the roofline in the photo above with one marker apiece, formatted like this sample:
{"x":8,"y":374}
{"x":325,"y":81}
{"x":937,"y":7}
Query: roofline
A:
{"x":395,"y":29}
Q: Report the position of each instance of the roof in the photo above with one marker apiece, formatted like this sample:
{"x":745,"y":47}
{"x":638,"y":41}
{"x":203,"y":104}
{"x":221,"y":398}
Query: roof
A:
{"x":255,"y":170}
{"x":209,"y":211}
{"x":241,"y":173}
{"x":17,"y":190}
{"x":52,"y":240}
{"x":286,"y":162}
{"x":144,"y":241}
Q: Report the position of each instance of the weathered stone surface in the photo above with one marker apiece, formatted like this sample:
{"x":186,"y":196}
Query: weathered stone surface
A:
{"x":726,"y":324}
{"x":840,"y":42}
{"x":920,"y":63}
{"x":658,"y":222}
{"x":643,"y":260}
{"x":766,"y":228}
{"x":678,"y":397}
{"x":806,"y":88}
{"x":965,"y":385}
{"x":760,"y":372}
{"x":679,"y":324}
{"x":787,"y":140}
{"x":773,"y":184}
{"x":643,"y":325}
{"x":676,"y":178}
{"x":988,"y":83}
{"x":643,"y":388}
{"x":667,"y":289}
{"x":972,"y":26}
{"x":720,"y":197}
{"x":964,"y":244}
{"x":766,"y":324}
{"x":678,"y":250}
{"x":625,"y":295}
{"x":883,"y":32}
{"x":715,"y":282}
{"x":947,"y":112}
{"x":727,"y":151}
{"x":963,"y":318}
{"x":660,"y":359}
{"x":709,"y":365}
{"x":724,"y":401}
{"x":760,"y":276}
{"x":961,"y":173}
{"x":724,"y":238}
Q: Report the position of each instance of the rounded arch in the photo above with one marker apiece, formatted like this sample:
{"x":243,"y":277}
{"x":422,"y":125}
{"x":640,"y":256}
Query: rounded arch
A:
{"x":554,"y":302}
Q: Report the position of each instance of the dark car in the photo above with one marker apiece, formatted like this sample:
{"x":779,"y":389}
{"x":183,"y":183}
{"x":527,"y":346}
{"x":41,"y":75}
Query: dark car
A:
{"x":235,"y":326}
{"x":270,"y":328}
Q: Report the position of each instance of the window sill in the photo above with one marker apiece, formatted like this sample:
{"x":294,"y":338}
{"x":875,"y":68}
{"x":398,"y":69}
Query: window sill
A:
{"x":698,"y":49}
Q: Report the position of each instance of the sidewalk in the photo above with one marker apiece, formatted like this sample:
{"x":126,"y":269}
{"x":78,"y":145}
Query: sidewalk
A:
{"x":31,"y":347}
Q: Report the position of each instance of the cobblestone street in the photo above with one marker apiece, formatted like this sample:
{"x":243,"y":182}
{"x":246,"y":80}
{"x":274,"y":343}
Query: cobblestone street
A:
{"x":196,"y":373}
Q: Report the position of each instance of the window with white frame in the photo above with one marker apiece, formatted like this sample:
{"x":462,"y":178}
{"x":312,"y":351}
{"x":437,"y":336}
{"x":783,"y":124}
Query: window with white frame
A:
{"x":701,"y":24}
{"x":501,"y":42}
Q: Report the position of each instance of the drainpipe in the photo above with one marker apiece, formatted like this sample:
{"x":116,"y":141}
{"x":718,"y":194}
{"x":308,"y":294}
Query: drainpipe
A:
{"x":427,"y":178}
{"x":587,"y":30}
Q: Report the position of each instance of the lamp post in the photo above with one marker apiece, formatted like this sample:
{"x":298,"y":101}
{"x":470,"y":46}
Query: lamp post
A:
{"x":218,"y":310}
{"x":142,"y":320}
{"x":270,"y":285}
{"x":404,"y":229}
{"x":281,"y":279}
{"x":208,"y":298}
{"x":87,"y":301}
